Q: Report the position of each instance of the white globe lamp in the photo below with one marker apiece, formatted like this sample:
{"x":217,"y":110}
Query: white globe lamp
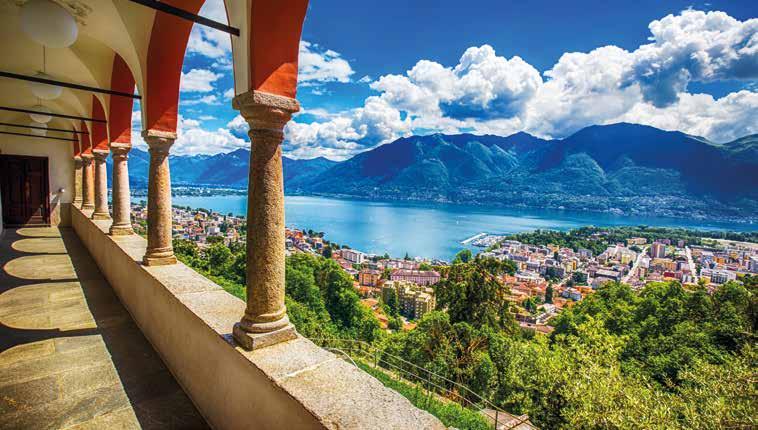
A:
{"x":41,"y":115}
{"x":36,"y":128}
{"x":48,"y":23}
{"x":45,"y":91}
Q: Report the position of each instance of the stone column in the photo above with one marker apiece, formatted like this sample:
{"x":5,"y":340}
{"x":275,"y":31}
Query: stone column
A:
{"x":78,"y":181}
{"x":160,"y":250}
{"x":265,"y":321}
{"x":88,"y":182}
{"x":101,"y":185}
{"x":122,"y":221}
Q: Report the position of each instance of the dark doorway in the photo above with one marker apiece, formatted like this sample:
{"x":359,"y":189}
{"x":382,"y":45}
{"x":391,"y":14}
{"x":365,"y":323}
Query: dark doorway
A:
{"x":24,"y":187}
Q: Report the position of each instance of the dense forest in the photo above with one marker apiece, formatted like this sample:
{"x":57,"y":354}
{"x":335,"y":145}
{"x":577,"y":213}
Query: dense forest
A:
{"x":664,"y":357}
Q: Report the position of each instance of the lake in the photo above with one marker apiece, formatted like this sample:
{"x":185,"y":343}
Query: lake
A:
{"x":428,"y":230}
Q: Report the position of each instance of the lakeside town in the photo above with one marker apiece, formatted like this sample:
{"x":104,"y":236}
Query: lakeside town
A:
{"x":548,"y":277}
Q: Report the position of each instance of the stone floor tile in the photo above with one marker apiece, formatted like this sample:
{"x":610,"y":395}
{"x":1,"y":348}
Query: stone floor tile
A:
{"x":71,"y":357}
{"x":27,"y":395}
{"x":122,"y":419}
{"x":26,"y":352}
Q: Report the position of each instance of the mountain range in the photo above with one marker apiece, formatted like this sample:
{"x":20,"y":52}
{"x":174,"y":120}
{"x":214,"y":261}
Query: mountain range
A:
{"x":622,"y":168}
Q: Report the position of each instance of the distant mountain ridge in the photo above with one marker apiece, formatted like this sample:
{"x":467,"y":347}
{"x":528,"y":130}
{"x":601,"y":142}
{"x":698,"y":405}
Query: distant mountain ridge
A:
{"x":228,"y":170}
{"x":618,"y":168}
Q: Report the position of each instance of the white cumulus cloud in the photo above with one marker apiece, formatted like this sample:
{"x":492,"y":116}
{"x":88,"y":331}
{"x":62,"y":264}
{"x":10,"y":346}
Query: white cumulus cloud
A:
{"x":488,"y":93}
{"x":210,"y":99}
{"x":198,"y":80}
{"x":192,"y":139}
{"x":694,"y":46}
{"x":318,"y":66}
{"x":207,"y":41}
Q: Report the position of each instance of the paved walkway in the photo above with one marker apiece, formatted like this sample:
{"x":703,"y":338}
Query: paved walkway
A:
{"x":70,"y":355}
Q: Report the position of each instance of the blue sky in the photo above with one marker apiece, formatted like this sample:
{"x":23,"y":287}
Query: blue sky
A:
{"x":374,"y":71}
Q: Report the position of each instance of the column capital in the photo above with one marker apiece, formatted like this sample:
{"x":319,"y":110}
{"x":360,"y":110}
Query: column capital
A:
{"x":159,"y":141}
{"x":100,"y":154}
{"x":87,"y":157}
{"x":120,"y":149}
{"x":265,"y":111}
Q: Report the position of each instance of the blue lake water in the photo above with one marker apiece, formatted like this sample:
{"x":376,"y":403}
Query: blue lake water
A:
{"x":428,"y":230}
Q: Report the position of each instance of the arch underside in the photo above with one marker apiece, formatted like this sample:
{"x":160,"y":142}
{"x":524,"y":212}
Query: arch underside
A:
{"x":128,"y":47}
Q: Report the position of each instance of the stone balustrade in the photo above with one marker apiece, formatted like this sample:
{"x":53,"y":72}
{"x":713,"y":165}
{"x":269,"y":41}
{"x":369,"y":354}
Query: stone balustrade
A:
{"x":188,"y":319}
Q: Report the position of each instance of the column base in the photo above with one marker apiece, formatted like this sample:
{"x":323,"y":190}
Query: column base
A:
{"x":252,"y":341}
{"x":101,"y":216}
{"x":121,"y":230}
{"x":158,"y":261}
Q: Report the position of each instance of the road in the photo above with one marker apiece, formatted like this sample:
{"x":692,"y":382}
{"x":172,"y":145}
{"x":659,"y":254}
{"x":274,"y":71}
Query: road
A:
{"x":637,"y":262}
{"x":693,"y":269}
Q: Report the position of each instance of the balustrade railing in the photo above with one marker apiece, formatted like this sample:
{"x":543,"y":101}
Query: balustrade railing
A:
{"x":444,"y":389}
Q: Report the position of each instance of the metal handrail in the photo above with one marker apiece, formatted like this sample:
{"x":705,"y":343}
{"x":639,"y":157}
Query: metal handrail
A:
{"x":379,"y":357}
{"x":457,"y":384}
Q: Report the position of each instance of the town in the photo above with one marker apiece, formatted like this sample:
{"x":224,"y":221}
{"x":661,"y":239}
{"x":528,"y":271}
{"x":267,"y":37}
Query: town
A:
{"x":548,"y":278}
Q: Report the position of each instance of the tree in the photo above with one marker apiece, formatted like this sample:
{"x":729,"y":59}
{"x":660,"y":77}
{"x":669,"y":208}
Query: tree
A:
{"x":453,"y":351}
{"x":300,"y":275}
{"x":667,"y":328}
{"x":186,"y":248}
{"x":473,"y":293}
{"x":394,"y":323}
{"x":393,"y":303}
{"x":463,"y":256}
{"x":214,"y":239}
{"x":219,"y":257}
{"x":322,"y":288}
{"x":238,"y":268}
{"x":719,"y":396}
{"x":549,"y":294}
{"x":327,"y":252}
{"x":529,"y":304}
{"x":238,"y":247}
{"x":424,"y":266}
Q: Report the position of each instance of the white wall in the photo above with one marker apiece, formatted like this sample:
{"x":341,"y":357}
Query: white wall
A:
{"x":61,"y":169}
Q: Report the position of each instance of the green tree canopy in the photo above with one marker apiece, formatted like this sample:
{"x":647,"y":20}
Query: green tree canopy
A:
{"x":473,"y":293}
{"x":219,"y":258}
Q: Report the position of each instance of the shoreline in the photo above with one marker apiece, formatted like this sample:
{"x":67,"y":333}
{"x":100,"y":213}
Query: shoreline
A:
{"x":612,"y":218}
{"x":181,"y":190}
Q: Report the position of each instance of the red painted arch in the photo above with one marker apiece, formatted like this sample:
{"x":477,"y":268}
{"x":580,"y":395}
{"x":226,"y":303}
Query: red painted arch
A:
{"x":165,"y":56}
{"x":99,"y":134}
{"x":120,"y":117}
{"x":275,"y":29}
{"x":78,"y":145}
{"x":85,"y":140}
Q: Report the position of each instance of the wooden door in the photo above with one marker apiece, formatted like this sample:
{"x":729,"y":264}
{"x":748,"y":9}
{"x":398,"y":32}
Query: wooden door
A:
{"x":24,"y":188}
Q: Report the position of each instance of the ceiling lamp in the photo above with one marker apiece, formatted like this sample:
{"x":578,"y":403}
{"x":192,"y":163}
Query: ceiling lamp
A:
{"x":48,"y":23}
{"x":41,"y":117}
{"x":45,"y":91}
{"x":35,"y":128}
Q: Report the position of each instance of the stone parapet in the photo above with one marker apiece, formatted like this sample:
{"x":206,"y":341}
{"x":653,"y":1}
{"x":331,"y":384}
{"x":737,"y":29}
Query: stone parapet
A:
{"x":187,"y":318}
